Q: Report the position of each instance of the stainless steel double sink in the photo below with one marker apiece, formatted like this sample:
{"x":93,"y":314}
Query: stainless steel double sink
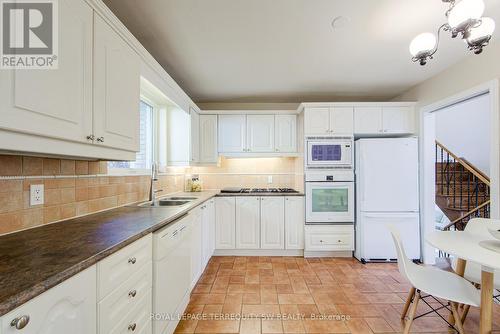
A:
{"x":168,"y":202}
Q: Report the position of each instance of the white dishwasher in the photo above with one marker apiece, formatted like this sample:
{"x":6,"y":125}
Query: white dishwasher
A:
{"x":171,"y":274}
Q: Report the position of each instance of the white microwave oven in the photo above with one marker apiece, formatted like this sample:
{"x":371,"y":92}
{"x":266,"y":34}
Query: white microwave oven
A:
{"x":329,"y":152}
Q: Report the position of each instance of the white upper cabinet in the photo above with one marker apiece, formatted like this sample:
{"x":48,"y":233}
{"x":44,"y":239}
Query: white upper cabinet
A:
{"x":195,"y":135}
{"x":260,"y":133}
{"x":208,"y":139}
{"x":70,"y":307}
{"x":285,"y":133}
{"x":248,"y":222}
{"x":329,"y":121}
{"x":317,"y":121}
{"x":383,"y":120}
{"x":272,"y":220}
{"x":178,"y":137}
{"x":398,"y":120}
{"x":368,"y":120}
{"x":54,"y":103}
{"x":342,"y":120}
{"x":116,"y":89}
{"x":232,"y":133}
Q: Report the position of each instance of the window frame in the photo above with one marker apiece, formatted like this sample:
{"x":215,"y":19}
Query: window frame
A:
{"x":155,"y":130}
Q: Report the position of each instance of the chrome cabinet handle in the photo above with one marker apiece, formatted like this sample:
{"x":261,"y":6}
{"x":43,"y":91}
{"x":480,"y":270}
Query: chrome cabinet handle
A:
{"x":132,"y":260}
{"x":20,"y":322}
{"x":100,"y":139}
{"x":91,"y":137}
{"x":132,"y":327}
{"x":132,"y":293}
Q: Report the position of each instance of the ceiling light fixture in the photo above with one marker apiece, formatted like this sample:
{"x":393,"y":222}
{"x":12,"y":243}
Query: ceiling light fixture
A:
{"x":464,"y":19}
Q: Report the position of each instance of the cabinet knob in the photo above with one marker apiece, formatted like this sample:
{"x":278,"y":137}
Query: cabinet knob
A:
{"x":132,"y":293}
{"x":91,"y":137}
{"x":321,"y":241}
{"x":132,"y":260}
{"x":20,"y":322}
{"x":100,"y":139}
{"x":132,"y":327}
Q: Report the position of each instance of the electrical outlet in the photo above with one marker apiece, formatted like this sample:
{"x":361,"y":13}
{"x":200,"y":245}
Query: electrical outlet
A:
{"x":270,"y":179}
{"x":36,"y":194}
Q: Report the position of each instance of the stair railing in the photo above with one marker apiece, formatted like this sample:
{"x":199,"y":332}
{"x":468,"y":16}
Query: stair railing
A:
{"x":473,"y":196}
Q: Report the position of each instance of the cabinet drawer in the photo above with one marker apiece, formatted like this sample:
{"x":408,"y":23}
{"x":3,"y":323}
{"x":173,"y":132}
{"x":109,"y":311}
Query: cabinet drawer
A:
{"x":130,"y":293}
{"x":138,"y":320}
{"x":117,"y":268}
{"x":330,"y":239}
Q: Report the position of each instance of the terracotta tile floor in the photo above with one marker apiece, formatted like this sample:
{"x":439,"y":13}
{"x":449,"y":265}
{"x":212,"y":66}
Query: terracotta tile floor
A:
{"x":297,"y":295}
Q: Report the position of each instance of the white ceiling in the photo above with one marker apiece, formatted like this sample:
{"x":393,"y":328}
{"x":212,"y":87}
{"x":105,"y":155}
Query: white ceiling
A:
{"x":286,"y":50}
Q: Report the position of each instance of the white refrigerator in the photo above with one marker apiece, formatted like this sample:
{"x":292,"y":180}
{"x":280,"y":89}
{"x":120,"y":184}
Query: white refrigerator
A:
{"x":386,"y":193}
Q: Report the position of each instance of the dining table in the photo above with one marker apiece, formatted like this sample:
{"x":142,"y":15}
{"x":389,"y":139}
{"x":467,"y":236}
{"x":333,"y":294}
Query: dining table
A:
{"x":467,"y":246}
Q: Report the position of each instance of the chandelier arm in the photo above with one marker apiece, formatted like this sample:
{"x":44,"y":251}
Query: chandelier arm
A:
{"x":443,"y":27}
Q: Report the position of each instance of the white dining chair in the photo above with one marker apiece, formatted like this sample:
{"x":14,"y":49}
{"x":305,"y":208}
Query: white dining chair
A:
{"x":478,"y":226}
{"x":435,"y":283}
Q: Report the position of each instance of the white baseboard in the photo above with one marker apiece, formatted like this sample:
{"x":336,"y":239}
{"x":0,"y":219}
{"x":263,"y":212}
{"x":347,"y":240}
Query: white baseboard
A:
{"x":259,"y":252}
{"x":327,"y":253}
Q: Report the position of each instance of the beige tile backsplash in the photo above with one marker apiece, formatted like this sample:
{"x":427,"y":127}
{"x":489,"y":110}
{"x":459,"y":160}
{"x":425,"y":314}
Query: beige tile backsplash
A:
{"x":74,"y":188}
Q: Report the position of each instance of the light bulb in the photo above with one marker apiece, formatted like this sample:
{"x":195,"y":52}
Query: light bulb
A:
{"x":464,"y":11}
{"x":485,"y":29}
{"x":423,"y":44}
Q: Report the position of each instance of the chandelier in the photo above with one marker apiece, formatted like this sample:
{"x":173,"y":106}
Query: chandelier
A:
{"x":465,"y":19}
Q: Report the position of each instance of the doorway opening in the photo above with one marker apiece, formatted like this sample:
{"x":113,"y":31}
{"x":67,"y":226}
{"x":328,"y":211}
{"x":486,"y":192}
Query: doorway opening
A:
{"x":459,"y":161}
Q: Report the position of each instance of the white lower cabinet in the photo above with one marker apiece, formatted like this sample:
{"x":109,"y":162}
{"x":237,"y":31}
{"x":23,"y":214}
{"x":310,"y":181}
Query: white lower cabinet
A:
{"x":69,"y":307}
{"x":196,"y":227}
{"x":124,"y":289}
{"x":272,"y":221}
{"x":248,"y":222}
{"x":294,"y":222}
{"x":225,"y":213}
{"x":208,"y":231}
{"x":329,"y":238}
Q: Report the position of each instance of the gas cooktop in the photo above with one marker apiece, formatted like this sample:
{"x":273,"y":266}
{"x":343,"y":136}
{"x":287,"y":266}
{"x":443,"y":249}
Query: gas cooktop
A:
{"x":258,"y":190}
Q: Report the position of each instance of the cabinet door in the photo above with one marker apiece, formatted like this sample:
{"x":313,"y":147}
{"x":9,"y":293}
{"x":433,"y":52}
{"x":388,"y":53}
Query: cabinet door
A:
{"x":210,"y":213}
{"x":367,"y":120}
{"x":248,"y":222}
{"x":208,"y":139}
{"x":54,"y":103}
{"x":260,"y":133}
{"x":70,"y":307}
{"x":294,"y":222}
{"x":272,"y":222}
{"x":116,"y":89}
{"x":196,"y":246}
{"x":317,"y":121}
{"x":225,"y":216}
{"x":342,"y":120}
{"x":285,"y":133}
{"x":398,"y":120}
{"x":195,"y":135}
{"x":232,"y":133}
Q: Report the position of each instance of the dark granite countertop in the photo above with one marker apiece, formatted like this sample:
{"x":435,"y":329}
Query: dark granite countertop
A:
{"x":35,"y":260}
{"x":259,"y":194}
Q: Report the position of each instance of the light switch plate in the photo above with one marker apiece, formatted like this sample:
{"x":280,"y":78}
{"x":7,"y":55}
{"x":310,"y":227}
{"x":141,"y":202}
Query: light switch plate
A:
{"x":270,"y":179}
{"x":36,"y":194}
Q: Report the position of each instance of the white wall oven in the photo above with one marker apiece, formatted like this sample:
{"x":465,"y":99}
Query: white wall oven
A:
{"x":334,"y":152}
{"x":330,"y":197}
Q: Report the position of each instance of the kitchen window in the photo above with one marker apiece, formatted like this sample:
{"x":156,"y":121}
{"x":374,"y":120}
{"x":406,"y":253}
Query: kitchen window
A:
{"x":145,"y":156}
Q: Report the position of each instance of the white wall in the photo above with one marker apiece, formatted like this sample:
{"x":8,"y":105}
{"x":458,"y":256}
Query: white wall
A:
{"x":464,"y":128}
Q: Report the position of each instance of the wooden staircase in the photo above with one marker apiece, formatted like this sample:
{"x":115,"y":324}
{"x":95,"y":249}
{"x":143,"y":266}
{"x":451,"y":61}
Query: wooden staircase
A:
{"x":462,"y":191}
